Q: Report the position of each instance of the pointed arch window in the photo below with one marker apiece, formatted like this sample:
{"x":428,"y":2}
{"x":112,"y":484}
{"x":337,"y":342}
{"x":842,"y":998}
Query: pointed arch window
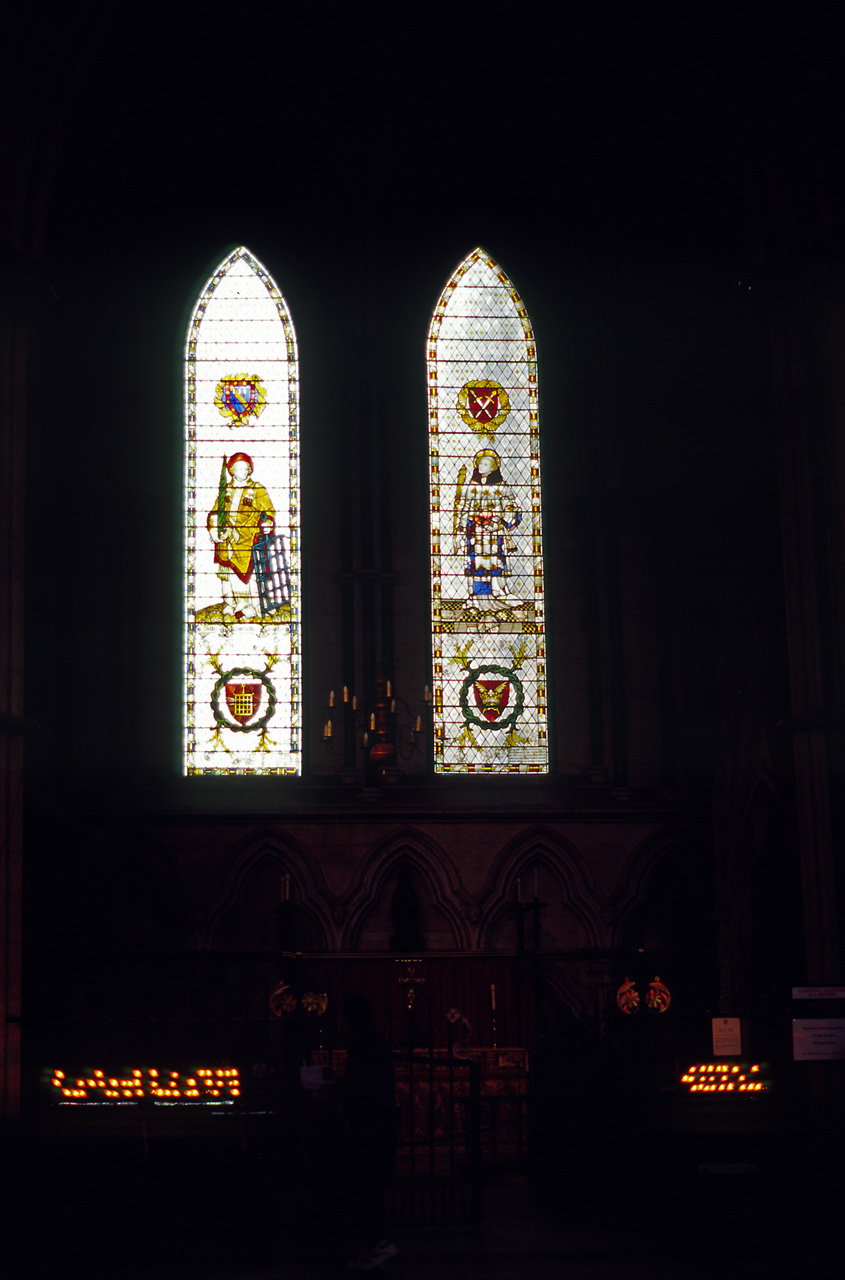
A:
{"x":488,"y":622}
{"x":242,"y":561}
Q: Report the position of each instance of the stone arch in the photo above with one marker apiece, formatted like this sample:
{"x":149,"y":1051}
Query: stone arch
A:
{"x":568,"y":993}
{"x":245,"y":908}
{"x":663,"y":928}
{"x":442,"y":899}
{"x":572,"y":918}
{"x":668,"y":849}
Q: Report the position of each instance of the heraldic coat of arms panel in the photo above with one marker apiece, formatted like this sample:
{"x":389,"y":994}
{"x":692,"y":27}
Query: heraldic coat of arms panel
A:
{"x":488,"y":626}
{"x":242,"y":527}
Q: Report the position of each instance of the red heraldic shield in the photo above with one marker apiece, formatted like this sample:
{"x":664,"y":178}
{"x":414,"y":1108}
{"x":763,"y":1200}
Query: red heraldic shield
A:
{"x":483,"y":403}
{"x":240,"y":398}
{"x":491,"y":697}
{"x":243,"y":700}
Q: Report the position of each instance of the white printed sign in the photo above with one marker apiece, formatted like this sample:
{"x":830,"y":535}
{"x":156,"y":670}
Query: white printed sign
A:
{"x":727,"y":1037}
{"x":818,"y":1039}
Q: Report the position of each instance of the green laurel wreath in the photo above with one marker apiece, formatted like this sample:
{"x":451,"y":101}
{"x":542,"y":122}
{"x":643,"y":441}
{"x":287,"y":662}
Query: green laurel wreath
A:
{"x":518,"y":705}
{"x":219,"y":687}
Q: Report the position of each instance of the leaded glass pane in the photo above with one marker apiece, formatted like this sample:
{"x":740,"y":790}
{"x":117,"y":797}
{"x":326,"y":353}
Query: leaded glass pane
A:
{"x":488,"y":630}
{"x":242,"y":572}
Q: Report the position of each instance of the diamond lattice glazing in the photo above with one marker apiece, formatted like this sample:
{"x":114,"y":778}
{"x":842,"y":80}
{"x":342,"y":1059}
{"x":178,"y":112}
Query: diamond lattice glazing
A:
{"x":488,"y":627}
{"x":242,"y":562}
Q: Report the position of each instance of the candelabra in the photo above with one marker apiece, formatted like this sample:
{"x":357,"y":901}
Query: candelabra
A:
{"x":384,"y":730}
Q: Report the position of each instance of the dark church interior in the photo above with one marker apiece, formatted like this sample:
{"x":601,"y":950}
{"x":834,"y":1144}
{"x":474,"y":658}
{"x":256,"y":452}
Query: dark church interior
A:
{"x":610,"y":989}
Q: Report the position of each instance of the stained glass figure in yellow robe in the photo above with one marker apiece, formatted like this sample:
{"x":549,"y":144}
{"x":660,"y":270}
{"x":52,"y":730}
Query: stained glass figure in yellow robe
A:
{"x":242,"y":514}
{"x":487,"y":514}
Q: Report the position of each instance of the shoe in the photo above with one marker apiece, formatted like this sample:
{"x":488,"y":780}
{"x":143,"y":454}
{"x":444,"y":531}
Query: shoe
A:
{"x":361,"y":1262}
{"x":383,"y":1251}
{"x":372,"y":1258}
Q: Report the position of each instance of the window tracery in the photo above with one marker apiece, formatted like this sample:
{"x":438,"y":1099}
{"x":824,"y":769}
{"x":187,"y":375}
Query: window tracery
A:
{"x":242,"y":522}
{"x":488,"y":619}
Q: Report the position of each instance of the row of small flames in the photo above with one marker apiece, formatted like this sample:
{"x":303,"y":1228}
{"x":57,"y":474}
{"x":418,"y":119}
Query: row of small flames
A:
{"x":224,"y":1082}
{"x":724,"y":1077}
{"x":206,"y":1083}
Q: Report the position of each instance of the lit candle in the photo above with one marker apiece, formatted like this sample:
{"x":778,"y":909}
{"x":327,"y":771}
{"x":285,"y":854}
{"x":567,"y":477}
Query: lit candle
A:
{"x":354,"y":702}
{"x":331,"y":698}
{"x":372,"y":720}
{"x":366,"y":738}
{"x":419,"y":723}
{"x":345,"y":694}
{"x":493,"y":996}
{"x":426,"y":694}
{"x":393,"y":706}
{"x":328,"y":728}
{"x":388,"y":688}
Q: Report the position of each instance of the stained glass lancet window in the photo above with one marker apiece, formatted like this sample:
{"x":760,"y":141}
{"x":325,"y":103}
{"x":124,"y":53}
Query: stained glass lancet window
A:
{"x":242,"y":570}
{"x":488,"y":628}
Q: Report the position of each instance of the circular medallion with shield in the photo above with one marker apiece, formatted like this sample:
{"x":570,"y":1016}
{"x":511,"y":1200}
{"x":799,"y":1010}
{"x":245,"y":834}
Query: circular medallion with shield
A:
{"x":492,"y":698}
{"x":243,"y":700}
{"x":483,"y":405}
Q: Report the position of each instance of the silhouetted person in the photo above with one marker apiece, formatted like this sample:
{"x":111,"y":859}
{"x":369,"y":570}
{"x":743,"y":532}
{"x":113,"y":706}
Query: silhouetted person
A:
{"x":368,"y":1110}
